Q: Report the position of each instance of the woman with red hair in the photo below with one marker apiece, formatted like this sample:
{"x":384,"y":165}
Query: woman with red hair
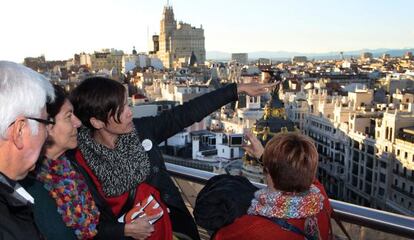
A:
{"x":294,"y":205}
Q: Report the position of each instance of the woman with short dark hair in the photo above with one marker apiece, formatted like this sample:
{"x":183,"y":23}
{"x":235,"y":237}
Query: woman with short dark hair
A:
{"x":121,"y":153}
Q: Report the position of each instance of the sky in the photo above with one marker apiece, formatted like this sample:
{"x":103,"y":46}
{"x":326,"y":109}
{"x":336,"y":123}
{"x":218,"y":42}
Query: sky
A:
{"x":60,"y":28}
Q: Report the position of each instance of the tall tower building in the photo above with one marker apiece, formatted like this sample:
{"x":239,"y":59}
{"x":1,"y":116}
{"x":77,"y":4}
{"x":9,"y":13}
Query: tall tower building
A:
{"x":177,"y":42}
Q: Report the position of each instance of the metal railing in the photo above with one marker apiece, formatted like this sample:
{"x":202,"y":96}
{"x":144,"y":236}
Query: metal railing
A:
{"x":367,"y":217}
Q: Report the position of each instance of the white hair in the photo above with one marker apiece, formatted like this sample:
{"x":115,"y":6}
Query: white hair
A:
{"x":23,"y":92}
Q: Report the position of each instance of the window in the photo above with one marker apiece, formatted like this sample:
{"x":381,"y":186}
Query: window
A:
{"x":386,"y":133}
{"x":356,"y":144}
{"x":368,"y":189}
{"x":382,"y":177}
{"x":381,"y":191}
{"x":368,"y":176}
{"x":369,"y":161}
{"x":354,"y":181}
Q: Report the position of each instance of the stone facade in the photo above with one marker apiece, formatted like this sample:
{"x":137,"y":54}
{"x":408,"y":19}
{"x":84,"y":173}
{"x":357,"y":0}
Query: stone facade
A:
{"x":178,"y":41}
{"x":109,"y":59}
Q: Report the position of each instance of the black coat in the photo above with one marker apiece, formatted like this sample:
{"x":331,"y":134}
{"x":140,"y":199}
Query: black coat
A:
{"x":159,"y":128}
{"x":223,"y":199}
{"x":50,"y":222}
{"x":16,"y":214}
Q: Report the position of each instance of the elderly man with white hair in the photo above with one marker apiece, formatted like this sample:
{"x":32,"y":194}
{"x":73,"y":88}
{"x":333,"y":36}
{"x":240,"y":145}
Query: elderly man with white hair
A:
{"x":23,"y":131}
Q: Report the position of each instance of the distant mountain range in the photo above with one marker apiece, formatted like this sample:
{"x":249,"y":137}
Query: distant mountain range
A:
{"x":285,"y":55}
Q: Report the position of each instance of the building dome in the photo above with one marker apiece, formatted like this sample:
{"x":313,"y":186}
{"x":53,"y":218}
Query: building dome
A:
{"x":274,"y":119}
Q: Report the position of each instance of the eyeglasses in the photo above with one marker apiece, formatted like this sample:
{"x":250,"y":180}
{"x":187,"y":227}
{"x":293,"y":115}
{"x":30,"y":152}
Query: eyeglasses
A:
{"x":44,"y":121}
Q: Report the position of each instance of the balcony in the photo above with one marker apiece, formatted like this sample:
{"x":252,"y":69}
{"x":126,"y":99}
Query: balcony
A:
{"x":406,"y":176}
{"x":360,"y":222}
{"x":400,"y":190}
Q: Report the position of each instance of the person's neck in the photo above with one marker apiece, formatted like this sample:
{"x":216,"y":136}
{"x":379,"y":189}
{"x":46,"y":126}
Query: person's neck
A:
{"x":7,"y":157}
{"x":105,"y":138}
{"x":6,"y":172}
{"x":54,"y":153}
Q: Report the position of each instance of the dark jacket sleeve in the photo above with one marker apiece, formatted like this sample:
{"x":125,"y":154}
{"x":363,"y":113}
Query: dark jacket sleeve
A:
{"x":170,"y":122}
{"x":110,"y":229}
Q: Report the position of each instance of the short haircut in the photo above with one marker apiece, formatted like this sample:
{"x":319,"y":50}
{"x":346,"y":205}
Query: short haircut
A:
{"x":23,"y":92}
{"x":98,"y":97}
{"x":291,"y":160}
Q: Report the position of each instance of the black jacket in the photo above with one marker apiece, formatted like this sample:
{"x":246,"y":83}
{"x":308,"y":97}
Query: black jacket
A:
{"x":16,"y":215}
{"x":159,"y":128}
{"x":223,"y":199}
{"x":50,"y":222}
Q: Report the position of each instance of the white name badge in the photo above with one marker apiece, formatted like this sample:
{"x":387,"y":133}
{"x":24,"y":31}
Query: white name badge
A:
{"x":147,"y":144}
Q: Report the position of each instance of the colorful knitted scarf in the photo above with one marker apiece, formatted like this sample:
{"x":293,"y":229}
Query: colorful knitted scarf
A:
{"x":287,"y":205}
{"x":73,"y":199}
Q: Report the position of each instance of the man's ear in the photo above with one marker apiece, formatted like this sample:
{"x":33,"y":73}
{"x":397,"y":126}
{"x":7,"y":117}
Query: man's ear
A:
{"x":18,"y":131}
{"x":96,"y":123}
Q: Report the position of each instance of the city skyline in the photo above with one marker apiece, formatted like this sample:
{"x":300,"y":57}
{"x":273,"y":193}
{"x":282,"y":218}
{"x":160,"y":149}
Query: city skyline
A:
{"x":59,"y":30}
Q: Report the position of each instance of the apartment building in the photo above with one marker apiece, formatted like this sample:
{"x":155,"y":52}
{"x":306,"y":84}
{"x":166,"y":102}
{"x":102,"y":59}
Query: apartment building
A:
{"x":366,"y":148}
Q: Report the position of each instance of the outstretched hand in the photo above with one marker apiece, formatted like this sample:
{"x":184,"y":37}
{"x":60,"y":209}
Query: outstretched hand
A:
{"x":255,"y":147}
{"x":254,"y":89}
